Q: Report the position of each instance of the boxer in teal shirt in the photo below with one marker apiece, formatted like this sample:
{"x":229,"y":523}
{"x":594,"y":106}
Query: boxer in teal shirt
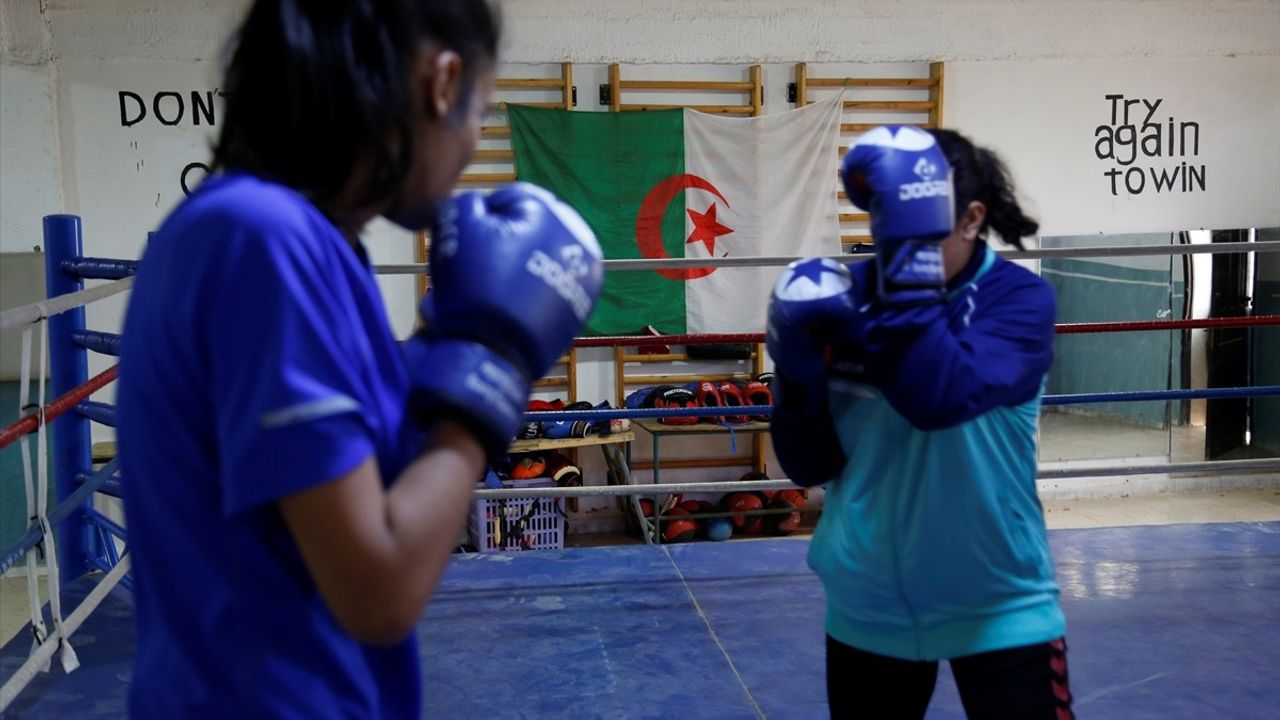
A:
{"x":917,"y":404}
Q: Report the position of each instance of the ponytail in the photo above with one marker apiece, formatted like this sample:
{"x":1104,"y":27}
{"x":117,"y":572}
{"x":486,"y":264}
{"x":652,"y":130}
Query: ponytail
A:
{"x":981,"y":176}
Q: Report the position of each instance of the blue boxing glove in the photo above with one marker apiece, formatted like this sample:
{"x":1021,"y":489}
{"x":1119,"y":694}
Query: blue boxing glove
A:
{"x":515,"y":275}
{"x":900,"y":176}
{"x":812,"y":307}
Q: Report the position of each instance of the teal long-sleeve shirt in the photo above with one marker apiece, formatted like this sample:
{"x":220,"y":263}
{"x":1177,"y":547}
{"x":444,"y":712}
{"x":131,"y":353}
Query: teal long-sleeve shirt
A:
{"x":932,"y":541}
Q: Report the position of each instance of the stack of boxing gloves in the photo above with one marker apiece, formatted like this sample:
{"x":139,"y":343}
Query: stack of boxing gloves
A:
{"x":561,"y":429}
{"x":728,"y":394}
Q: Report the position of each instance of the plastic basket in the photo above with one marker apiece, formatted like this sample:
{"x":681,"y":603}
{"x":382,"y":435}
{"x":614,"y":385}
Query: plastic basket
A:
{"x":518,"y":524}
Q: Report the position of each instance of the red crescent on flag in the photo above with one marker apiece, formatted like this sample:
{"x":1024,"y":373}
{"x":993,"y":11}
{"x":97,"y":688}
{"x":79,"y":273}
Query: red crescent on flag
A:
{"x":649,"y":221}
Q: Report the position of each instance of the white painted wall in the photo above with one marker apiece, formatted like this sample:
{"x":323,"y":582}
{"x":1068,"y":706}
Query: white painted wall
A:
{"x":741,"y":31}
{"x":1047,"y":119}
{"x":746,"y":31}
{"x":29,"y":158}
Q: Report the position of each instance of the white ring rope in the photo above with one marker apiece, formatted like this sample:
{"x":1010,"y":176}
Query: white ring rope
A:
{"x":44,"y":653}
{"x":1055,"y":472}
{"x":1062,"y":471}
{"x":35,"y":312}
{"x":1089,"y":251}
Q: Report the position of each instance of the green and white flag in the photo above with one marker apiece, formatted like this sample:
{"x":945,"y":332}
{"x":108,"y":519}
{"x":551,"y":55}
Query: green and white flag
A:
{"x":679,"y":183}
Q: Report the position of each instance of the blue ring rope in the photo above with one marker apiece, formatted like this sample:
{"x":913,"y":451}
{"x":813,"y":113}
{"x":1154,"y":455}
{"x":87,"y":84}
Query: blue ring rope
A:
{"x":764,"y":410}
{"x":61,"y":512}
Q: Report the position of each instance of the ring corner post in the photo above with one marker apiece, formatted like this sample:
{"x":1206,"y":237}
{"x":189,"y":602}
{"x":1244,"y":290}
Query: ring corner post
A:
{"x":68,"y":367}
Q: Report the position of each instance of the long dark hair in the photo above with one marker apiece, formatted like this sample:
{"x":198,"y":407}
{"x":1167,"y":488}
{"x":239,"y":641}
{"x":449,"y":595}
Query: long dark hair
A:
{"x":315,"y":86}
{"x":980,"y":175}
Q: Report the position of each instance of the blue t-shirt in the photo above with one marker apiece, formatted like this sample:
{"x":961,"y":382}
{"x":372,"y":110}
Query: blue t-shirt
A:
{"x":257,"y":362}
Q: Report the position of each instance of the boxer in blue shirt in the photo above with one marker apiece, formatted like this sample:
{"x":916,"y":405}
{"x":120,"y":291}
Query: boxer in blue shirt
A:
{"x":911,"y":386}
{"x":296,"y":477}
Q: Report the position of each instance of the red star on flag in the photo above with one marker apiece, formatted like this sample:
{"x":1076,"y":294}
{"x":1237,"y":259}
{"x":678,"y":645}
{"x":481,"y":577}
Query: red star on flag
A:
{"x":706,"y":229}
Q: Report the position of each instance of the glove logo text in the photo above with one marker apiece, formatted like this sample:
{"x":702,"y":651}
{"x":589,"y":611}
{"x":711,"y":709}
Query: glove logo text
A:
{"x":497,"y":388}
{"x":925,"y":169}
{"x":574,"y":258}
{"x":447,"y":242}
{"x":562,"y":280}
{"x":924,"y":189}
{"x":927,"y":187}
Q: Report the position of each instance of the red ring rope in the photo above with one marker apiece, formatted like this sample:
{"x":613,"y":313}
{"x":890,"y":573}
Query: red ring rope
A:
{"x":647,"y":340}
{"x":1199,"y":324}
{"x":68,"y":400}
{"x":73,"y":397}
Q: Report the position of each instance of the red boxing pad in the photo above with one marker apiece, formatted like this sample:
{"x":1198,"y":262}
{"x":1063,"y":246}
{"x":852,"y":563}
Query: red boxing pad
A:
{"x":691,"y":506}
{"x":795,"y":497}
{"x":672,"y":500}
{"x":670,"y":396}
{"x":530,"y":466}
{"x":704,"y":524}
{"x":757,"y":393}
{"x":634,"y":525}
{"x":708,"y":396}
{"x":732,"y":396}
{"x":765,"y":495}
{"x":561,"y":469}
{"x":782,"y":523}
{"x":678,"y":527}
{"x":740,"y":502}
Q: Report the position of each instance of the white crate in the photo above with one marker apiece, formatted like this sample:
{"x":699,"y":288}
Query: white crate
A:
{"x":519,"y":524}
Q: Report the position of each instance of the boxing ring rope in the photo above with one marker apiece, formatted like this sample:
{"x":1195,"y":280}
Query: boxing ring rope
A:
{"x":1150,"y":395}
{"x":1061,"y":329}
{"x":1188,"y":324}
{"x":44,"y":652}
{"x":57,"y":407}
{"x":1086,"y":251}
{"x":81,"y":544}
{"x":123,"y":269}
{"x":107,"y":343}
{"x":765,"y":410}
{"x":110,"y":473}
{"x":35,"y":312}
{"x":60,"y":512}
{"x":1068,"y":399}
{"x":720,"y":486}
{"x":1045,"y":472}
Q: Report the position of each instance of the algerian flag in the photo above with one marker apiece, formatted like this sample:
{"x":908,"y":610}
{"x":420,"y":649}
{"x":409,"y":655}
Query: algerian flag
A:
{"x":679,"y":183}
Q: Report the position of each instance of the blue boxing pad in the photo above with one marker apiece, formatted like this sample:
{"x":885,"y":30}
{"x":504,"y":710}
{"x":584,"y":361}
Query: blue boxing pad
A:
{"x":901,"y":177}
{"x":637,"y":398}
{"x":561,"y":429}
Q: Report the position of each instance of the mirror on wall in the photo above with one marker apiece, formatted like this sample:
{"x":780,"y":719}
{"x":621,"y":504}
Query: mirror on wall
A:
{"x":1157,"y":288}
{"x":1106,"y":290}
